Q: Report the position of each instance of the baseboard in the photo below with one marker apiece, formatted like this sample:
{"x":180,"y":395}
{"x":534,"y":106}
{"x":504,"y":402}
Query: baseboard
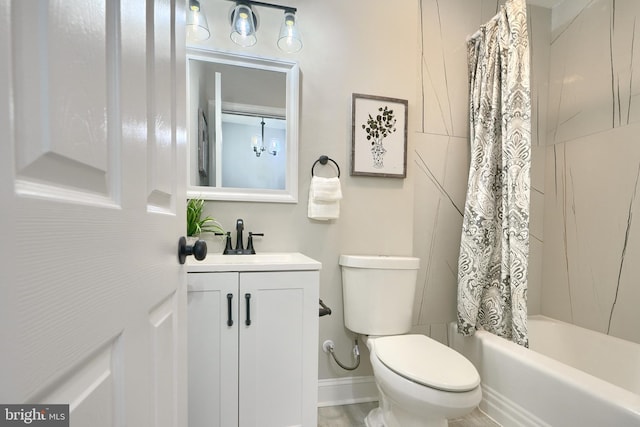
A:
{"x":345,"y":391}
{"x":506,"y":412}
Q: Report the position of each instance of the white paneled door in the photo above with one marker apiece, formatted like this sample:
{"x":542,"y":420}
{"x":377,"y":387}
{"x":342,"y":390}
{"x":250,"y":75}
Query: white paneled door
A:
{"x":92,"y":190}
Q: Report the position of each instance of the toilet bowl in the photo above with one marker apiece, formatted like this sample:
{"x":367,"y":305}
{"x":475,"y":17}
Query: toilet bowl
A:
{"x":421,"y":382}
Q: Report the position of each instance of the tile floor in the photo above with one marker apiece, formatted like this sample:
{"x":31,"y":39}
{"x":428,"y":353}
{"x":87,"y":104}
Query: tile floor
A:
{"x":353,"y":416}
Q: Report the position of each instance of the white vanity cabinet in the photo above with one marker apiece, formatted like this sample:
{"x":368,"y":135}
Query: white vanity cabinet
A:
{"x":252,"y":345}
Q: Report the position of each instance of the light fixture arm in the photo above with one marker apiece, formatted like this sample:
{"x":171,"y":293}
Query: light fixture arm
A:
{"x":244,"y":23}
{"x":270,"y":5}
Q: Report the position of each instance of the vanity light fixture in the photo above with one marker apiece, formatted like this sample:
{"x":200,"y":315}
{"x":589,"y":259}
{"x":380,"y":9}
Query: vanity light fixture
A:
{"x":197,"y":27}
{"x":244,"y":24}
{"x":289,"y":39}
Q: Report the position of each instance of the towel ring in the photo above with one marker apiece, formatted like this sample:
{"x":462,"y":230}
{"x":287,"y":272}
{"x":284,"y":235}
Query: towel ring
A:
{"x":323,"y":161}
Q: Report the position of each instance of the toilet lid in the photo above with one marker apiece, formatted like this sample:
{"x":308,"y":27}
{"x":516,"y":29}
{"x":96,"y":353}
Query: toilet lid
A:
{"x":427,"y":362}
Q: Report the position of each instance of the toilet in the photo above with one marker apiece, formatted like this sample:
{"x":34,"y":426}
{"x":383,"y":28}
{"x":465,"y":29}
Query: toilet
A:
{"x":421,"y":382}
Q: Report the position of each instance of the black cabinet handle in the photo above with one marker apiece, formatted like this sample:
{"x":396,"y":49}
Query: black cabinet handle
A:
{"x":247,"y":298}
{"x":229,"y":312}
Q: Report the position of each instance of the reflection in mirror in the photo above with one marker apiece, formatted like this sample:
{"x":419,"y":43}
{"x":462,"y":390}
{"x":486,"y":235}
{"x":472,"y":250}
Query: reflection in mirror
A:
{"x":256,"y":143}
{"x":243,"y":127}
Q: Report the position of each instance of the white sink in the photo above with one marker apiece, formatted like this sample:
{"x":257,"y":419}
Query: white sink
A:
{"x":267,"y":261}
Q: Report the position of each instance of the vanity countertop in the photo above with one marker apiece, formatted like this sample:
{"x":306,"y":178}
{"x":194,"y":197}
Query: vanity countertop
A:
{"x":268,"y":261}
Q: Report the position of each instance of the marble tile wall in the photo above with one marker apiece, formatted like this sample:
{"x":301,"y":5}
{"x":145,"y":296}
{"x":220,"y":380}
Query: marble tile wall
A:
{"x":586,"y":162}
{"x":591,"y":208}
{"x":442,"y":152}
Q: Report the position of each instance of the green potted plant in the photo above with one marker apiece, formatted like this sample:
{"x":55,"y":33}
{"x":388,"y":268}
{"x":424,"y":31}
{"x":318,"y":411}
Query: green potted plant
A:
{"x":196,"y":224}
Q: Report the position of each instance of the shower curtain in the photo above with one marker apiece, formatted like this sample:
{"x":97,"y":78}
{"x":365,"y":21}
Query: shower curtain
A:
{"x":492,"y":268}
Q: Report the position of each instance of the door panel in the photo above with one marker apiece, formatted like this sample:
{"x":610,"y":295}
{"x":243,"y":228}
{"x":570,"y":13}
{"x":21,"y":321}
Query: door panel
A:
{"x":62,"y":100}
{"x":163,"y":330}
{"x":92,"y":298}
{"x":92,"y":387}
{"x":160,"y":124}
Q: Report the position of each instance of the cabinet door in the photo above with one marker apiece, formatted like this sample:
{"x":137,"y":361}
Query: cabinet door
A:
{"x":278,"y":354}
{"x":213,"y":350}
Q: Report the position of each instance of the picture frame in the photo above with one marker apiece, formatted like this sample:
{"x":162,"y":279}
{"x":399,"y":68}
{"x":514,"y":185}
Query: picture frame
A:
{"x":379,"y":136}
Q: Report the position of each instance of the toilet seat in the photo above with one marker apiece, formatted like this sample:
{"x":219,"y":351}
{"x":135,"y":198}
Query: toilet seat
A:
{"x":427,"y":362}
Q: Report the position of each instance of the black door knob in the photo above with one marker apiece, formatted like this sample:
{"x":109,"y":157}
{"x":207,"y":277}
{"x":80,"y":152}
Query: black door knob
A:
{"x":198,"y":250}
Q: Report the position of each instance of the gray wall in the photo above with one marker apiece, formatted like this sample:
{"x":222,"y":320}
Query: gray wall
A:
{"x":415,"y":52}
{"x":336,"y":61}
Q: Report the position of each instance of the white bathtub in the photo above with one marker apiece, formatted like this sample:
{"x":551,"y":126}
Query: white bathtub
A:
{"x":570,"y":376}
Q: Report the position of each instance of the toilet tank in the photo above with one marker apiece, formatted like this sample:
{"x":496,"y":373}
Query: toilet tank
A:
{"x":378,"y":293}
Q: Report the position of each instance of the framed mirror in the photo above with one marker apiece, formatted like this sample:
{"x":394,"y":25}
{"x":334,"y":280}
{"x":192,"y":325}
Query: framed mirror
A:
{"x":242,"y":127}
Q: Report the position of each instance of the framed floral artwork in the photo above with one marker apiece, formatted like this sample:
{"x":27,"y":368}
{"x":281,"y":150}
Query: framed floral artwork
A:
{"x":379,"y":136}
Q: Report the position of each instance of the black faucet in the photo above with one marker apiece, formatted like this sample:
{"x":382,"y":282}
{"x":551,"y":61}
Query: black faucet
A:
{"x":239,"y":249}
{"x":239,"y":228}
{"x":250,"y":249}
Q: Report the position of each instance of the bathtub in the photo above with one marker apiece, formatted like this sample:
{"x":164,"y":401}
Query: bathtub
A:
{"x":570,"y":376}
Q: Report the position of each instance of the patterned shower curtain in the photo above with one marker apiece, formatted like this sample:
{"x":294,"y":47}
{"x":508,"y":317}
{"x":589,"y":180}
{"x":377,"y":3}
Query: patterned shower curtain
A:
{"x":492,"y":268}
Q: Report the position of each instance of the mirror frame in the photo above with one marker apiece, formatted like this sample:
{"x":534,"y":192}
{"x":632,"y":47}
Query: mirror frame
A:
{"x":292,"y":72}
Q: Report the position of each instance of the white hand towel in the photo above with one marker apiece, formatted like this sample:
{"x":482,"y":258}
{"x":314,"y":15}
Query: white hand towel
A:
{"x":326,"y":189}
{"x":324,"y":198}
